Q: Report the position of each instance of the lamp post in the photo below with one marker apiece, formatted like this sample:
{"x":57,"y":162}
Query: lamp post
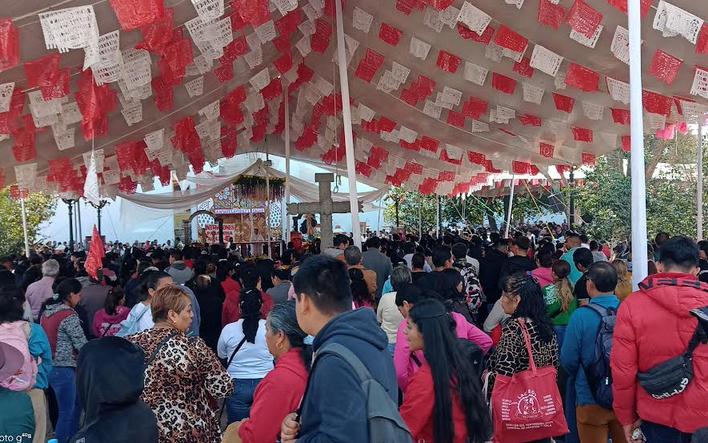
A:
{"x":101,"y":204}
{"x":70,"y":205}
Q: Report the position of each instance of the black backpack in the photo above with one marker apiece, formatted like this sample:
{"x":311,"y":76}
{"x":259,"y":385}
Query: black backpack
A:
{"x":598,"y":372}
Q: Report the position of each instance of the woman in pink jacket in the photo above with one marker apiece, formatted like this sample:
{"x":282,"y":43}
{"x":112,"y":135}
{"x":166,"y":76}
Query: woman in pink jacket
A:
{"x":106,"y":321}
{"x":407,"y":362}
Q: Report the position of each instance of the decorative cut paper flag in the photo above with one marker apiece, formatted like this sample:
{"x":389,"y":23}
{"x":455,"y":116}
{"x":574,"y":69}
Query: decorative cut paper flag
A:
{"x":475,"y":73}
{"x":582,"y":78}
{"x":468,"y":34}
{"x":506,"y":38}
{"x":701,"y":43}
{"x":582,"y":135}
{"x":523,"y":68}
{"x":620,"y":44}
{"x":626,"y":143}
{"x":456,"y":119}
{"x":673,"y":21}
{"x":620,"y":116}
{"x":622,"y":5}
{"x":474,"y":108}
{"x":587,"y":158}
{"x":432,"y":20}
{"x":406,"y":6}
{"x":700,"y":83}
{"x":520,"y":167}
{"x":546,"y":150}
{"x":550,"y":14}
{"x":532,"y":93}
{"x":665,"y":66}
{"x":656,"y":103}
{"x":91,"y":192}
{"x":134,"y":14}
{"x":530,"y":120}
{"x":593,"y":111}
{"x":545,"y":60}
{"x":369,"y":64}
{"x":362,"y":20}
{"x":618,"y":90}
{"x":473,"y":18}
{"x":563,"y":103}
{"x":448,"y":62}
{"x":9,"y":45}
{"x":503,"y":83}
{"x":390,"y":34}
{"x":583,"y":18}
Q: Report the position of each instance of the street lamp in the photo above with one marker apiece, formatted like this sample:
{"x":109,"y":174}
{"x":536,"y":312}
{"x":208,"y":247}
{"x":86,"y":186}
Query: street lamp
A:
{"x":101,"y":204}
{"x":70,"y":205}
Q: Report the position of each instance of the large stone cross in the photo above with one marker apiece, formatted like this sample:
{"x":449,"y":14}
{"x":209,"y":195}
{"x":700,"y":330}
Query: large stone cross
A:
{"x":325,"y":207}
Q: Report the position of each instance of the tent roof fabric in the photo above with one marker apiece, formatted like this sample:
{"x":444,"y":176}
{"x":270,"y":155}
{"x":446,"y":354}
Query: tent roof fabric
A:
{"x":436,"y":106}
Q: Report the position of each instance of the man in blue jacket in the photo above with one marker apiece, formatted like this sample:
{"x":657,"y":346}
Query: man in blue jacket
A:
{"x":334,"y":406}
{"x":594,"y":422}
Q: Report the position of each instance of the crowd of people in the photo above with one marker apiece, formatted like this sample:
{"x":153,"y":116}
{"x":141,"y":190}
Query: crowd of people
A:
{"x":445,"y":339}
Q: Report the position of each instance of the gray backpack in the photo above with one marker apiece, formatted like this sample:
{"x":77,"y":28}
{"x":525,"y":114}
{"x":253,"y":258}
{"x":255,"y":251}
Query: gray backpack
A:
{"x":385,"y":423}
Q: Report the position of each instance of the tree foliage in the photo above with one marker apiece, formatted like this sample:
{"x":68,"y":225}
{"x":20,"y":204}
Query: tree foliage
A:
{"x":39,"y":208}
{"x":605,"y":200}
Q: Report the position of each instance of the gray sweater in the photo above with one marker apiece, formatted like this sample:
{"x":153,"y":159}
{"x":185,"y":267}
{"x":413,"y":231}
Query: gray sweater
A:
{"x":70,"y":336}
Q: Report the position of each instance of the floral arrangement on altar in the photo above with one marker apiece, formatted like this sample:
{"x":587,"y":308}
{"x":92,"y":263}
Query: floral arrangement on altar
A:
{"x":254,"y":188}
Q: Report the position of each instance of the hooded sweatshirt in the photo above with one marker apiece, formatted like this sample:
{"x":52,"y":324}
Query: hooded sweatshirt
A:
{"x":334,"y":406}
{"x":111,"y":393}
{"x":179,"y":272}
{"x":66,"y":336}
{"x":655,"y":325}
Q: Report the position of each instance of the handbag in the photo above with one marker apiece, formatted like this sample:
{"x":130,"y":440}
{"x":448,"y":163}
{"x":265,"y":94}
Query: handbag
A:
{"x":527,"y":406}
{"x":672,"y":376}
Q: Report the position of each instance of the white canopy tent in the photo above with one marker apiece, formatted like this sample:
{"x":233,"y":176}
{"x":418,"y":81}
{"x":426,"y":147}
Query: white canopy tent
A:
{"x":441,"y":92}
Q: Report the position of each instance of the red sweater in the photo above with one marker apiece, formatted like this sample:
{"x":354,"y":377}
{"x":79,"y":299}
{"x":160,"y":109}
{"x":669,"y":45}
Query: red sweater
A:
{"x":231,"y":311}
{"x":654,"y":325}
{"x":418,"y":404}
{"x":277,"y":395}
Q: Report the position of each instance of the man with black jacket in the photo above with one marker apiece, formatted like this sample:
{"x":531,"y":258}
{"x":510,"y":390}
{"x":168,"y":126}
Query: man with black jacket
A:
{"x":519,"y":261}
{"x":489,"y":270}
{"x":334,"y":406}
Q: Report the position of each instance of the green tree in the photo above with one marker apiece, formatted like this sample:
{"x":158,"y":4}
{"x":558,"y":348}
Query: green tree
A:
{"x":414,"y":209}
{"x":39,"y":208}
{"x":605,"y":200}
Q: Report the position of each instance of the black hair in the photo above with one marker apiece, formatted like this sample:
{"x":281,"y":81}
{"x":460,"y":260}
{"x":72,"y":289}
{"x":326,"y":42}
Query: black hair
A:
{"x":532,"y":304}
{"x":325,"y":281}
{"x":459,"y":250}
{"x":63,"y":290}
{"x":448,"y":281}
{"x":373,"y":242}
{"x":113,"y":298}
{"x":441,"y":254}
{"x":594,"y":245}
{"x":150,"y":280}
{"x":339,"y":239}
{"x":522,"y":243}
{"x":450,"y":369}
{"x":418,"y":260}
{"x":603,"y":275}
{"x":583,"y":257}
{"x":281,"y":273}
{"x":661,"y":238}
{"x":6,"y":277}
{"x":249,"y":277}
{"x":282,"y":318}
{"x":545,"y":257}
{"x":223,"y":268}
{"x":360,"y":291}
{"x":409,"y":293}
{"x":11,"y":300}
{"x":679,"y":252}
{"x":250,"y":306}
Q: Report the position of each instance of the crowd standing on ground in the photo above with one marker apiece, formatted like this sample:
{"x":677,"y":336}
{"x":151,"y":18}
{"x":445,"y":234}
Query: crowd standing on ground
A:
{"x":461,"y":337}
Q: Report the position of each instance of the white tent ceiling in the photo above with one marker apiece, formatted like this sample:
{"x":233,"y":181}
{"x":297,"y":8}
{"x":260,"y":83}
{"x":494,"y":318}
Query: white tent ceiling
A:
{"x":455,"y":131}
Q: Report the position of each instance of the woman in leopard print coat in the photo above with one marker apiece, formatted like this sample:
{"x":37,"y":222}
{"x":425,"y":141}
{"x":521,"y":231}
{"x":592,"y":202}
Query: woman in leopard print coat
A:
{"x":183,"y":377}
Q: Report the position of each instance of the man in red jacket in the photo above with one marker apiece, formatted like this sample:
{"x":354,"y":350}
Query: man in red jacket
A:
{"x":654,"y":325}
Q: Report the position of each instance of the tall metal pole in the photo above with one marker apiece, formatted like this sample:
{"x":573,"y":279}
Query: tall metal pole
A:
{"x":699,"y":183}
{"x":639,"y":204}
{"x":511,"y":204}
{"x":266,"y":209}
{"x":571,"y":216}
{"x":24,"y":225}
{"x":347,"y":122}
{"x":70,"y":206}
{"x":284,"y":209}
{"x":80,"y":232}
{"x":439,"y":215}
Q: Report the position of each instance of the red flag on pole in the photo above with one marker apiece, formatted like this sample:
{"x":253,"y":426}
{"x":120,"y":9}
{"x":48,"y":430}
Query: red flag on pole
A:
{"x":94,"y":260}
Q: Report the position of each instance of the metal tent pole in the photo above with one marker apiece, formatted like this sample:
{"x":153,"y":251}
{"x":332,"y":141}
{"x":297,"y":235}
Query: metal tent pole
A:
{"x":699,"y":183}
{"x":347,"y":122}
{"x":286,"y":198}
{"x":24,"y":225}
{"x":511,"y":204}
{"x":639,"y":204}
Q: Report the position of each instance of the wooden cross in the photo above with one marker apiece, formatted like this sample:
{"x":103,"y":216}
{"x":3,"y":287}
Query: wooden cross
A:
{"x":325,"y":207}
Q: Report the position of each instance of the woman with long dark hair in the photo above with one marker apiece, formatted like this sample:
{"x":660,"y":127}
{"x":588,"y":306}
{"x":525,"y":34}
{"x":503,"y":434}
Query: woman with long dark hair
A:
{"x":250,"y":282}
{"x":443,"y":402}
{"x":522,"y":298}
{"x":107,"y":321}
{"x":281,"y":390}
{"x":210,"y":296}
{"x":360,"y":291}
{"x":243,"y":345}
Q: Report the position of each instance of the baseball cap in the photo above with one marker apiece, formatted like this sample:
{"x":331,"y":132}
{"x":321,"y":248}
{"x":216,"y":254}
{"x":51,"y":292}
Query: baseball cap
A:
{"x":11,"y":360}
